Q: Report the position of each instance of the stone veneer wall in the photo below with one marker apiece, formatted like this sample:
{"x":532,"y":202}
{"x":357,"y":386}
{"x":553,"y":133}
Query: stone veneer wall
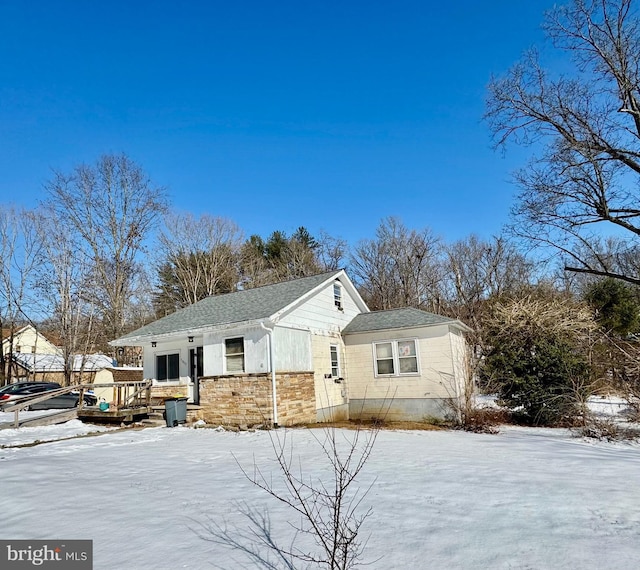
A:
{"x":245,"y":399}
{"x":159,"y":393}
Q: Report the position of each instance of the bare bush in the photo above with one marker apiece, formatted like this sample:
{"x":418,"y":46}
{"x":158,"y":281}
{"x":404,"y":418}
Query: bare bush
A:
{"x":608,"y":430}
{"x":329,"y":509}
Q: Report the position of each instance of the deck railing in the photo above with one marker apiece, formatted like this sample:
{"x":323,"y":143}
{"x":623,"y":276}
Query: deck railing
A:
{"x":125,"y":395}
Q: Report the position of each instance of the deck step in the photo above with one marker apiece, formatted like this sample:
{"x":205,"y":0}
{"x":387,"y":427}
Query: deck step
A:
{"x":153,"y":422}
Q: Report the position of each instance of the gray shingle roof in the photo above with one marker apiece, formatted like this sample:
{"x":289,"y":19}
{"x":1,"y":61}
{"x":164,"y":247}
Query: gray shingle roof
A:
{"x":238,"y":307}
{"x":396,"y":319}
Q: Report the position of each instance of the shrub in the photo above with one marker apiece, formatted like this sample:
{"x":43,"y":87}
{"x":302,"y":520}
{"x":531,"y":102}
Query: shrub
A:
{"x":536,"y":360}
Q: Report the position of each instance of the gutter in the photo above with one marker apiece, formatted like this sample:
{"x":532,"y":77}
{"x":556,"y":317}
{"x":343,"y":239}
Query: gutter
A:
{"x":273,"y":373}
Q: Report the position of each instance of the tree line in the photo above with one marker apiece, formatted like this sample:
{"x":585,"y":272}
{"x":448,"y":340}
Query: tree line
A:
{"x":103,"y":253}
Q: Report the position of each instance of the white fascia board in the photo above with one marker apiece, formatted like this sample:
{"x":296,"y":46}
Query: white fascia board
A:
{"x":348,"y":284}
{"x":460,"y":325}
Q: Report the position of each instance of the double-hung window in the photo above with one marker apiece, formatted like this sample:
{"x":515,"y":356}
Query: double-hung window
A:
{"x":335,"y":362}
{"x":167,"y":367}
{"x":396,"y":357}
{"x":234,"y":354}
{"x":337,"y":295}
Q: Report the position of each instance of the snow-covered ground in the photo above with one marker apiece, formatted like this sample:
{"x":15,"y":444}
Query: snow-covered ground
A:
{"x":522,"y":499}
{"x":28,"y":435}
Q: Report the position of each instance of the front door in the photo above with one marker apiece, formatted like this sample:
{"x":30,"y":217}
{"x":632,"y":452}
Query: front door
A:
{"x":195,"y":371}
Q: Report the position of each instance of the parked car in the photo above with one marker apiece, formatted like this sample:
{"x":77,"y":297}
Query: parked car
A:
{"x":17,"y":390}
{"x":20,"y":390}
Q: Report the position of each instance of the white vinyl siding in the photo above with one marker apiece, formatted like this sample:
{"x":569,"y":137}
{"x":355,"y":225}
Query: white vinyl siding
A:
{"x":396,"y":357}
{"x":319,"y":314}
{"x":434,"y":380}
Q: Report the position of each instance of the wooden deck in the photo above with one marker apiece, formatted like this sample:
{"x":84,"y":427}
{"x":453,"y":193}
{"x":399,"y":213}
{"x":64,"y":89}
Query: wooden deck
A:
{"x":121,"y":414}
{"x":131,"y":401}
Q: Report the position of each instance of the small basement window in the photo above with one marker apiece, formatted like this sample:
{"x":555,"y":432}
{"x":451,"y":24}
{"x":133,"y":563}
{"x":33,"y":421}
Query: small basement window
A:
{"x":234,"y":354}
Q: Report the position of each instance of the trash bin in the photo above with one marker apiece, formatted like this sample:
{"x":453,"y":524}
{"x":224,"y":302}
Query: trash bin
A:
{"x":175,"y":411}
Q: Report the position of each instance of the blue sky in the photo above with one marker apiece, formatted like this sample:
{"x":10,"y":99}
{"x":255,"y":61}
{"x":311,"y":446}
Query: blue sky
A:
{"x":330,"y":115}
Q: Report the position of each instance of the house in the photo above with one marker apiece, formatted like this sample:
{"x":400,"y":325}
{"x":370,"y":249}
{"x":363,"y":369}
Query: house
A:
{"x":302,"y":351}
{"x":50,"y":367}
{"x":27,"y":340}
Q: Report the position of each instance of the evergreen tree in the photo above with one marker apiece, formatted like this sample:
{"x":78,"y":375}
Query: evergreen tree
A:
{"x":617,"y":305}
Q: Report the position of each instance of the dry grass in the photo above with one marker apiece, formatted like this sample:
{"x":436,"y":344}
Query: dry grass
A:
{"x":384,"y":425}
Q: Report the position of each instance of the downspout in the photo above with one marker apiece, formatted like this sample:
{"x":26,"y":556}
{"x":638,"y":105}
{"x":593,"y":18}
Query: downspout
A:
{"x":456,"y":372}
{"x":273,"y":374}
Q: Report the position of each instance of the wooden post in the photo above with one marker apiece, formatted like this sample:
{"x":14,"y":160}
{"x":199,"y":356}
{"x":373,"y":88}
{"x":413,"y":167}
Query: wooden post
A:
{"x":81,"y":397}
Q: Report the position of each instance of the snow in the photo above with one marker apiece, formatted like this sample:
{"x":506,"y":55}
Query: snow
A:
{"x":524,"y":498}
{"x":27,"y":435}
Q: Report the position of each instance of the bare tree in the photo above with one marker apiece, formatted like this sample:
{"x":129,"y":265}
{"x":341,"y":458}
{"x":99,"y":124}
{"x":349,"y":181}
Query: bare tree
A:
{"x":331,"y":251}
{"x":20,"y":255}
{"x":112,"y":207}
{"x":584,"y":185}
{"x":399,"y":268}
{"x":199,"y":257}
{"x":64,"y":283}
{"x":477,"y":271}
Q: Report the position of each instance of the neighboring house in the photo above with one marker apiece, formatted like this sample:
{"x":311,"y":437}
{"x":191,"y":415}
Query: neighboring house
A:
{"x":314,"y":341}
{"x":27,"y":340}
{"x":50,"y":367}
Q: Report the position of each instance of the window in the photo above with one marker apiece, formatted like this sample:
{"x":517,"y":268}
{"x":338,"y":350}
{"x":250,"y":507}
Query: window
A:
{"x":234,"y":354}
{"x":384,"y":358}
{"x":335,"y":363}
{"x":167,"y":367}
{"x":407,"y":357}
{"x":337,"y":295}
{"x":396,"y":357}
{"x":18,"y":348}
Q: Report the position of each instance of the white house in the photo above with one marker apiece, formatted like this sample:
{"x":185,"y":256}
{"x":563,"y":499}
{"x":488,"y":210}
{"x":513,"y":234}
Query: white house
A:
{"x":301,"y":351}
{"x":51,"y":367}
{"x":27,"y":340}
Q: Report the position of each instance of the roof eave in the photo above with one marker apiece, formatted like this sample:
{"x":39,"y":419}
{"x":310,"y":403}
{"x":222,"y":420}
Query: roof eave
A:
{"x":453,"y":323}
{"x":141,"y":340}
